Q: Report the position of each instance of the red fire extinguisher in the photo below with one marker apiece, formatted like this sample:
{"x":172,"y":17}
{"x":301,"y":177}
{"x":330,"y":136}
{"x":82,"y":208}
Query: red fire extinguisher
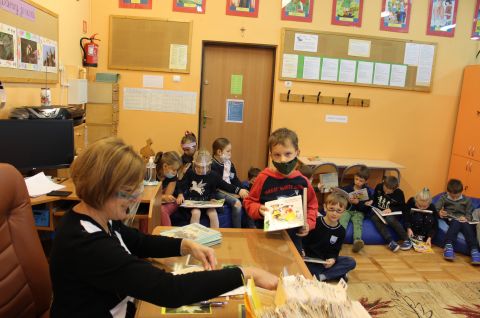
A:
{"x":90,"y":51}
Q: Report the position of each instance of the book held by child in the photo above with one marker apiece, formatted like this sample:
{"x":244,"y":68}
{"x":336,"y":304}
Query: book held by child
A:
{"x":284,"y":213}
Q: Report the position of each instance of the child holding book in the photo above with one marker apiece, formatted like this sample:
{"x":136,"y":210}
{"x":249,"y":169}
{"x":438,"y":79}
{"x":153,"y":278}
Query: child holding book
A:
{"x":168,"y":164}
{"x":457,"y":210}
{"x":421,"y":217}
{"x":200,"y":184}
{"x":389,"y":198}
{"x":282,"y":180}
{"x":356,"y":209}
{"x":325,"y":241}
{"x":223,"y":166}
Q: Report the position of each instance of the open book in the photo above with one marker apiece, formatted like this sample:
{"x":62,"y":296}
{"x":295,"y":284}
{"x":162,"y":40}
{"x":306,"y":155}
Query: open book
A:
{"x":381,"y":215}
{"x":421,"y":247}
{"x":284,"y":213}
{"x":203,"y":204}
{"x":307,"y":259}
{"x":361,"y":195}
{"x":451,"y":217}
{"x":195,"y":232}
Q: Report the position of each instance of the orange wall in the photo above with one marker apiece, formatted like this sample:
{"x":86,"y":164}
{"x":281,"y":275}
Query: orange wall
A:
{"x":413,"y":129}
{"x":71,"y":15}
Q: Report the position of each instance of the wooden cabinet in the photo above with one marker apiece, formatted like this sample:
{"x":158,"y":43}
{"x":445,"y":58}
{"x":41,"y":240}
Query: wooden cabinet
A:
{"x":465,"y":159}
{"x":102,"y":111}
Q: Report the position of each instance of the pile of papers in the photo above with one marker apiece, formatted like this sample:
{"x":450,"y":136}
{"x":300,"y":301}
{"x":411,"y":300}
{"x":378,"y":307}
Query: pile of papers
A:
{"x":40,"y":184}
{"x":196,"y":232}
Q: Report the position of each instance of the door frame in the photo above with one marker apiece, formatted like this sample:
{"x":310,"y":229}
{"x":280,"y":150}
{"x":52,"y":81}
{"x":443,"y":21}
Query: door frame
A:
{"x":206,"y":43}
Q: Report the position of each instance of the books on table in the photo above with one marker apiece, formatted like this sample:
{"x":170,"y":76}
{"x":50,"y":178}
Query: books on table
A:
{"x":203,"y":204}
{"x":195,"y":232}
{"x":381,"y":214}
{"x":284,"y":213}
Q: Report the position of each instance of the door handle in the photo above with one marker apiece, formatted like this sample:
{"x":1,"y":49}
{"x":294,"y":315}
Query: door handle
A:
{"x":204,"y":118}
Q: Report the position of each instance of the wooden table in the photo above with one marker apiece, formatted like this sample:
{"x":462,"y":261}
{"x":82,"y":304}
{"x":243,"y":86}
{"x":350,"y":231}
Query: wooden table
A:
{"x":346,"y":162}
{"x":150,"y":205}
{"x":246,"y":247}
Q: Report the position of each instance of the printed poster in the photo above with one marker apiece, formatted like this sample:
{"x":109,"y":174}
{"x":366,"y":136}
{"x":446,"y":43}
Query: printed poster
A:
{"x":235,"y":111}
{"x":28,"y":48}
{"x":297,"y":10}
{"x":49,"y":56}
{"x":8,"y":46}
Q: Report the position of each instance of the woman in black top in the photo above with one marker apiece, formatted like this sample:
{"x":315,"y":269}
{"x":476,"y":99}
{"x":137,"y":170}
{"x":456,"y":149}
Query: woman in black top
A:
{"x":96,"y":263}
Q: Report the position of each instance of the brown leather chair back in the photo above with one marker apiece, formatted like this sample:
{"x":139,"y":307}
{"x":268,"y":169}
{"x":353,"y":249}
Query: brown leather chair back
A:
{"x":25,"y":286}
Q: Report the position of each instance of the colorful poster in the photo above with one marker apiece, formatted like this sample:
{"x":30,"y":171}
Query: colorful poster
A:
{"x":395,"y":16}
{"x":135,"y":4}
{"x":245,"y":8}
{"x":297,"y":10}
{"x":28,"y":47}
{"x":49,"y":56}
{"x":191,"y":6}
{"x":442,"y":16}
{"x":347,"y":12}
{"x":8,"y":46}
{"x":234,"y":113}
{"x":476,"y":22}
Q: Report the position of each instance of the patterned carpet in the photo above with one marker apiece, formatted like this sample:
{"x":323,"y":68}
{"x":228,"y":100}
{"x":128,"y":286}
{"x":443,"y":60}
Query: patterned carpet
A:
{"x":419,"y":300}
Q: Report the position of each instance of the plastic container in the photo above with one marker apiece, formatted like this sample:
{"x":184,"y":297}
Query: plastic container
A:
{"x":151,"y":172}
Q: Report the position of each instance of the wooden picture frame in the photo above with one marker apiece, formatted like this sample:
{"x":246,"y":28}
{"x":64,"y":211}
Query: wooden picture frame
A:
{"x":442,"y":17}
{"x":298,"y":10}
{"x":476,"y":22}
{"x":144,"y":4}
{"x":350,"y":15}
{"x":190,"y":6}
{"x":243,"y":8}
{"x":395,"y":16}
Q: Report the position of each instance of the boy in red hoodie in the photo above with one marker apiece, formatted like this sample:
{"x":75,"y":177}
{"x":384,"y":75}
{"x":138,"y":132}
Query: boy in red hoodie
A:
{"x":282,"y":180}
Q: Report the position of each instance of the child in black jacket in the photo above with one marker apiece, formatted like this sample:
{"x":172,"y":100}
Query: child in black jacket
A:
{"x":421,"y":217}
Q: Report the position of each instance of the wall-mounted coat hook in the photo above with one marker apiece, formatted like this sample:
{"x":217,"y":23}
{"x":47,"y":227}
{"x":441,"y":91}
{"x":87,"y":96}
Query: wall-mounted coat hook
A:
{"x":303,"y":98}
{"x":348,"y":98}
{"x":318,"y":96}
{"x":333,"y":101}
{"x":288,"y":96}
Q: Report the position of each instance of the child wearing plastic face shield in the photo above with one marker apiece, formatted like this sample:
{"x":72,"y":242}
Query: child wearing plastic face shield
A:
{"x":200,"y":184}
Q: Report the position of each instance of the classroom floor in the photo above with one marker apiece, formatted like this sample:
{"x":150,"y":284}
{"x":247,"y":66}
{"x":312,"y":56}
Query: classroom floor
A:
{"x":375,"y":263}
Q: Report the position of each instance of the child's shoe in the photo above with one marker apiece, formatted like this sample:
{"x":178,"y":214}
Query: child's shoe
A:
{"x":475,"y":257}
{"x":448,"y":252}
{"x":393,"y":246}
{"x":406,"y":245}
{"x":357,"y":246}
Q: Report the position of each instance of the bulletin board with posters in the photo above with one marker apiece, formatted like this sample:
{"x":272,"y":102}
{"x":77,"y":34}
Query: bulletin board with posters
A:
{"x":347,"y":59}
{"x":28,"y":43}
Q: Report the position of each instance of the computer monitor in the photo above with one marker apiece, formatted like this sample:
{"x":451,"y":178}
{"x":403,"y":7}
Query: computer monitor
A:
{"x":36,"y":144}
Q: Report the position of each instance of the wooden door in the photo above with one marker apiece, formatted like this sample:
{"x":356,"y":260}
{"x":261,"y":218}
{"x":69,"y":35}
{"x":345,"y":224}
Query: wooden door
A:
{"x":255,"y":67}
{"x":459,"y":169}
{"x":467,"y":133}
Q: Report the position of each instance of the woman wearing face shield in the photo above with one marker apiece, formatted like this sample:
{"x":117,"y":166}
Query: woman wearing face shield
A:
{"x":96,"y":262}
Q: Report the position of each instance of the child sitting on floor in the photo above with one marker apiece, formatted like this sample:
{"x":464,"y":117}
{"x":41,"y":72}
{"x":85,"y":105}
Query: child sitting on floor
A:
{"x":325,"y":241}
{"x":419,"y":222}
{"x":457,"y":210}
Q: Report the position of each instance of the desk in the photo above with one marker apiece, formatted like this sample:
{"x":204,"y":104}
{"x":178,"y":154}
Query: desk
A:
{"x":149,"y":208}
{"x":247,"y":247}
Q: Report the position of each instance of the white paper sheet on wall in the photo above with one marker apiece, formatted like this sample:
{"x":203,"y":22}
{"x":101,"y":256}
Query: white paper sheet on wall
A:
{"x":159,"y":100}
{"x":425,"y":65}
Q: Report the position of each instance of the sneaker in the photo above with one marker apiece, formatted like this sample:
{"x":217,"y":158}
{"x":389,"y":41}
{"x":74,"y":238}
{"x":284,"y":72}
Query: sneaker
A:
{"x":475,"y":257}
{"x":345,"y":277}
{"x":448,"y":252}
{"x":357,"y":245}
{"x":393,"y":246}
{"x":406,"y":245}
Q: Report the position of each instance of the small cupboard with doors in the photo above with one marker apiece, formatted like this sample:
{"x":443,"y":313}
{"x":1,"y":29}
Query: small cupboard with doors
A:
{"x":465,"y":159}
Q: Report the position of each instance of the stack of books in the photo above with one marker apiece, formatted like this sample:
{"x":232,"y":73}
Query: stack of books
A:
{"x":196,"y":232}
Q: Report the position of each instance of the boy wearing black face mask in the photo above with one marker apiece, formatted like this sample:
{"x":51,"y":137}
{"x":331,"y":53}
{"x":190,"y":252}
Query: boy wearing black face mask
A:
{"x":282,"y":180}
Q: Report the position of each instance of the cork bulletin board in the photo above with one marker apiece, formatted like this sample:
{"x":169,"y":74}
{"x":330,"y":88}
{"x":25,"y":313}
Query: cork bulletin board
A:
{"x":348,"y":59}
{"x":140,"y":43}
{"x":35,"y":27}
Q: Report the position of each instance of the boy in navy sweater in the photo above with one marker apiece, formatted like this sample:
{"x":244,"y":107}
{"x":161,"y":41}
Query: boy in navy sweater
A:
{"x":325,"y":242}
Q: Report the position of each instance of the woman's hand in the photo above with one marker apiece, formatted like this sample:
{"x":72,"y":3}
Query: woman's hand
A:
{"x":243,"y":193}
{"x":262,"y":278}
{"x":180,"y":199}
{"x":204,"y":254}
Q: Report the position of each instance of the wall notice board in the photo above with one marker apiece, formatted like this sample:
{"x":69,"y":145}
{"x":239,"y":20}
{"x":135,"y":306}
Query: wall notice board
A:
{"x":140,"y":43}
{"x":29,"y":43}
{"x":348,"y":59}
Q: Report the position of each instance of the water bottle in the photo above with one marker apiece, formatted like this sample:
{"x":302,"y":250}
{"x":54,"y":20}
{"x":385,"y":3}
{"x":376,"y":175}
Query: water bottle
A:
{"x":151,"y":173}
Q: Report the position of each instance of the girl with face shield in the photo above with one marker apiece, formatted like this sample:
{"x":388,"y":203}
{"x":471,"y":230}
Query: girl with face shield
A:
{"x":97,"y":265}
